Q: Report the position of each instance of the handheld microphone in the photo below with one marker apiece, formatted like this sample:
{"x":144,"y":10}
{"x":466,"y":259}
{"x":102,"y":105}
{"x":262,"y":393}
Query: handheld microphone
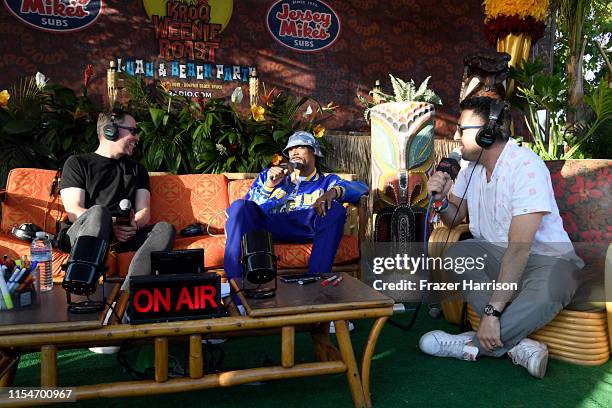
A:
{"x":449,"y":165}
{"x":123,"y":216}
{"x":291,"y":167}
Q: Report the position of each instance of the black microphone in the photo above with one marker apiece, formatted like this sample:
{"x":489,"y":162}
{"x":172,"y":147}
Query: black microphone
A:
{"x":291,"y":167}
{"x":449,"y":165}
{"x":123,"y":216}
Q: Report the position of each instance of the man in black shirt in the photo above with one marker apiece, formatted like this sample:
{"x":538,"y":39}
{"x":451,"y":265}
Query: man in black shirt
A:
{"x":92,"y":186}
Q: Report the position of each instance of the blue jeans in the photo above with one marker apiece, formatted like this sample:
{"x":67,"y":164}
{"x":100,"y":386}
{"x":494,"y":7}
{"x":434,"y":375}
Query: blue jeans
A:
{"x":299,"y":226}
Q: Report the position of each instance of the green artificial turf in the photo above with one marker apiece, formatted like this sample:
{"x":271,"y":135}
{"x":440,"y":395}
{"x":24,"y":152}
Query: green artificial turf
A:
{"x":401,"y":376}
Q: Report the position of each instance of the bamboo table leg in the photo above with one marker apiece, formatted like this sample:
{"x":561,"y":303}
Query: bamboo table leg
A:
{"x":288,"y":347}
{"x":48,"y":366}
{"x":348,"y":356}
{"x":366,"y":361}
{"x":196,"y":362}
{"x":323,"y":347}
{"x":161,"y":359}
{"x":8,"y":367}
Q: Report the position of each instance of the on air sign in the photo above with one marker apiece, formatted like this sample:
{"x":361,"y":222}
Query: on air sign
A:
{"x":174,"y":297}
{"x":303,"y":25}
{"x":56,"y":16}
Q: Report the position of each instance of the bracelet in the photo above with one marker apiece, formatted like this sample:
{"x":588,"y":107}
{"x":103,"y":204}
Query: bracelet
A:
{"x":442,"y":207}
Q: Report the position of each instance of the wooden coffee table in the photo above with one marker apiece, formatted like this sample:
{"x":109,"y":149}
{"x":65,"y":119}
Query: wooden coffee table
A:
{"x":295,"y":307}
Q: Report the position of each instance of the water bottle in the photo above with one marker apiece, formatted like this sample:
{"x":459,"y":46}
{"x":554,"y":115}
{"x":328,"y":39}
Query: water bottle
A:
{"x":40,"y":251}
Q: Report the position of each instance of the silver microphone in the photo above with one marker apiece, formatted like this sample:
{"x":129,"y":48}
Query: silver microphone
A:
{"x":125,"y":205}
{"x":123,"y":217}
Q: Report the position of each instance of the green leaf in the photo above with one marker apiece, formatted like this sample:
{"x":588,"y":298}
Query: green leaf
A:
{"x":279,"y":135}
{"x":157,"y":116}
{"x":15,"y":127}
{"x":67,"y":141}
{"x":66,"y":97}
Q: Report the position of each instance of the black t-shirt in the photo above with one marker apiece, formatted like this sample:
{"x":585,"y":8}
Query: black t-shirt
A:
{"x":105,"y":181}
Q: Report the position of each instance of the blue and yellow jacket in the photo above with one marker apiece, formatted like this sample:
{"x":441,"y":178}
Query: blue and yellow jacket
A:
{"x":301,"y":195}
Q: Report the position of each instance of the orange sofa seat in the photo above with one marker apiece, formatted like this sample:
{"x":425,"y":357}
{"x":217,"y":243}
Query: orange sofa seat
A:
{"x":178,"y":199}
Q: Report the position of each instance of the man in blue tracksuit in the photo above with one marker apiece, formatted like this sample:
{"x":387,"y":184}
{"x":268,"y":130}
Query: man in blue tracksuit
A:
{"x":301,"y":207}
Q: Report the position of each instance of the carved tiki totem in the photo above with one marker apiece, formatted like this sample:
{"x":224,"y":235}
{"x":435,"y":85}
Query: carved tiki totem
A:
{"x":402,"y":161}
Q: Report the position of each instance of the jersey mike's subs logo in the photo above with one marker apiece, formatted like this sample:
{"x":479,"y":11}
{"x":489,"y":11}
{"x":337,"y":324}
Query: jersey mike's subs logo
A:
{"x":303,"y":25}
{"x":56,"y":16}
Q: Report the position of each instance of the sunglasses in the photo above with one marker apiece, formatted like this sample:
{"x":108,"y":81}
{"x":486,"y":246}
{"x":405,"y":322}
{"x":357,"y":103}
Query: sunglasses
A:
{"x":130,"y":129}
{"x":460,"y":128}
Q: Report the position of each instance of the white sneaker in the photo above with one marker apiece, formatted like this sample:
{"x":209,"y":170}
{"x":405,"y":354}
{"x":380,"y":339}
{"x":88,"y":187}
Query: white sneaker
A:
{"x":213,"y":341}
{"x":332,"y":328}
{"x":531,"y":354}
{"x":441,"y":344}
{"x":242,"y":310}
{"x":105,"y":350}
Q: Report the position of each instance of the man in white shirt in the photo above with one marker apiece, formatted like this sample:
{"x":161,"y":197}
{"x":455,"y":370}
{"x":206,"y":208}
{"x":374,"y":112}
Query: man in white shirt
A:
{"x":507,"y":193}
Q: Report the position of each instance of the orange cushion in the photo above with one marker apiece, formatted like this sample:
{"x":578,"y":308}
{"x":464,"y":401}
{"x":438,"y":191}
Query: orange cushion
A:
{"x":297,"y":255}
{"x":28,"y":198}
{"x":185,"y":199}
{"x":15,"y":249}
{"x":291,"y":255}
{"x":238,"y":189}
{"x":214,"y":248}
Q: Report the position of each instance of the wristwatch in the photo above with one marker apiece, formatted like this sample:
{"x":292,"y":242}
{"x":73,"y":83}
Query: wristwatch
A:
{"x":490,"y":310}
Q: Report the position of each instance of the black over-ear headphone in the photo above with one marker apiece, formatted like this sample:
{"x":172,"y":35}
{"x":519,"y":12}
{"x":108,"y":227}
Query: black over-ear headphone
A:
{"x":26,"y":232}
{"x":487,"y":135}
{"x":111,"y":131}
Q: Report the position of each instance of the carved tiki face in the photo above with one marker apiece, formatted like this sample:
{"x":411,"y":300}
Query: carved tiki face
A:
{"x":402,"y":152}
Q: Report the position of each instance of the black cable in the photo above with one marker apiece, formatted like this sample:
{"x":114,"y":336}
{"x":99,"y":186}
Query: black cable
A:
{"x":213,"y":365}
{"x":112,"y":309}
{"x":462,"y":198}
{"x":139,"y":375}
{"x":408,"y":326}
{"x":231,"y":299}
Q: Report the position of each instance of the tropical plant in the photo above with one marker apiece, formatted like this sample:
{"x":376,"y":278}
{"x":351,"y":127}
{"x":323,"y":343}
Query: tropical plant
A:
{"x":582,"y":40}
{"x":41,"y":124}
{"x":403,"y":91}
{"x":183,"y":135}
{"x":564,"y":139}
{"x":230,"y":142}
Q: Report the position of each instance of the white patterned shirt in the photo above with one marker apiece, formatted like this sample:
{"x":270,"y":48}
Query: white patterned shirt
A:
{"x":520,"y":184}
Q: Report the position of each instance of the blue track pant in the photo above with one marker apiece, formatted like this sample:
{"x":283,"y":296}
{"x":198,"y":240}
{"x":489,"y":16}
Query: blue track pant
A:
{"x":295,"y":226}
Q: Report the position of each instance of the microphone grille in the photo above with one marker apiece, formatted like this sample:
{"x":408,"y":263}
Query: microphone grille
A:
{"x":125,"y":205}
{"x":455,"y":155}
{"x":296,"y":165}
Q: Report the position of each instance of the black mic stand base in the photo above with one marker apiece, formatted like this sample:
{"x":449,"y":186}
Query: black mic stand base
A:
{"x":86,"y":306}
{"x":259,"y":293}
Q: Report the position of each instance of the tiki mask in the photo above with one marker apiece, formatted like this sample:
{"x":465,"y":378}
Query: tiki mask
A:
{"x":402,"y":161}
{"x":402,"y":153}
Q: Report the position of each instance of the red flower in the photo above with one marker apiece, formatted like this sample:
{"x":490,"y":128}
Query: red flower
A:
{"x":604,"y":178}
{"x":591,"y":236}
{"x":569,"y":224}
{"x":233,"y":146}
{"x":87,"y":74}
{"x":501,"y":26}
{"x":558,"y":182}
{"x":267,"y":98}
{"x":582,"y":191}
{"x":200,"y":101}
{"x":594,"y":217}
